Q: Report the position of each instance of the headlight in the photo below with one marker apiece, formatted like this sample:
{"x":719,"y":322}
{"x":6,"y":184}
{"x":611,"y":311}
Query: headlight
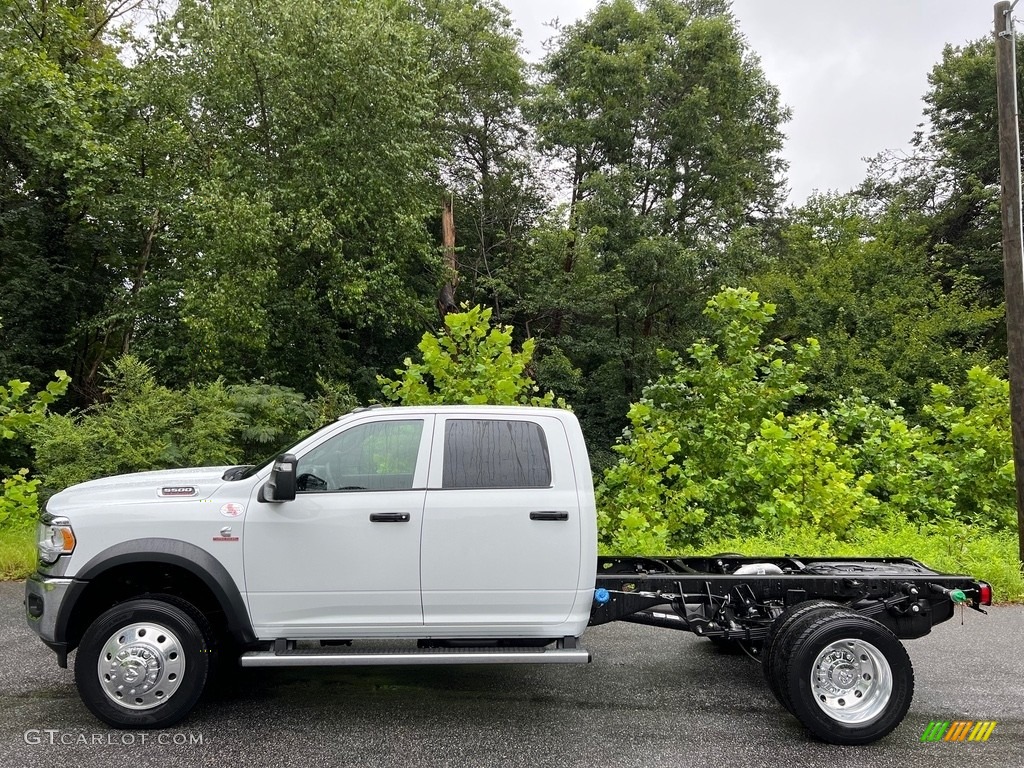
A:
{"x":54,"y":538}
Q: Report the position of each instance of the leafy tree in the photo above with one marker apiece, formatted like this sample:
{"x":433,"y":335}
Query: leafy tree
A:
{"x":947,"y":192}
{"x":304,"y":236}
{"x":663,"y":111}
{"x":250,"y":190}
{"x":684,"y":471}
{"x":963,"y":143}
{"x":668,"y":134}
{"x":486,"y":162}
{"x":468,"y":362}
{"x":888,"y":321}
{"x":578,"y":361}
{"x":65,"y":244}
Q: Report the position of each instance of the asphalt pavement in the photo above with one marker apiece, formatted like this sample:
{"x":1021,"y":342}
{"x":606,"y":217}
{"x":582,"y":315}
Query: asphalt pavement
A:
{"x":650,"y":698}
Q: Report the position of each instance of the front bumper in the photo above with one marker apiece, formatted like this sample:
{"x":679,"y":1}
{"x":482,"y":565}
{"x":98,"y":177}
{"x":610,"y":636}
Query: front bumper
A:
{"x":44,"y":596}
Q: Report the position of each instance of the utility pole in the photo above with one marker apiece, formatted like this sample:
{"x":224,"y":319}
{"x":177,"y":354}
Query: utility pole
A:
{"x":1013,"y":241}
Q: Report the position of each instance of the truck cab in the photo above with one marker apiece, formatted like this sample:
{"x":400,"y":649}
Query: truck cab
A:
{"x":443,"y":522}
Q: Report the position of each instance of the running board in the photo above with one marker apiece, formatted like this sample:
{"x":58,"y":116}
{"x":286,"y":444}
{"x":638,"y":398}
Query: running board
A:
{"x":318,"y":657}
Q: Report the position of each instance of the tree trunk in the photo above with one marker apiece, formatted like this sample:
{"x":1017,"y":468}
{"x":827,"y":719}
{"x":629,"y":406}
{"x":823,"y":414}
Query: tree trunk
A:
{"x":140,"y":275}
{"x":446,"y":299}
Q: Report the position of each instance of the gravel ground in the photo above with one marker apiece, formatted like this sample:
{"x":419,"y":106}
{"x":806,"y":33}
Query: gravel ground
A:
{"x":650,"y":698}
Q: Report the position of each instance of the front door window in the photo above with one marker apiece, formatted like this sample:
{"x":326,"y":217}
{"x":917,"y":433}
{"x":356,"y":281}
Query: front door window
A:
{"x":380,"y":456}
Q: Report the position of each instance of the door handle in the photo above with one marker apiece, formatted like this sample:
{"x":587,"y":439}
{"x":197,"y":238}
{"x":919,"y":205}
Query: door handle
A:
{"x":389,"y":517}
{"x":549,"y":515}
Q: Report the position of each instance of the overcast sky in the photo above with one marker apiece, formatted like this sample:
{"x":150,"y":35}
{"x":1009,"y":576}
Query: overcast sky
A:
{"x":852,"y":72}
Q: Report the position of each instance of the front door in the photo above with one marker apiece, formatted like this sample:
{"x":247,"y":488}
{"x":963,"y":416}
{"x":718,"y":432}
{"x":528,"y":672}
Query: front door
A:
{"x":345,"y":553}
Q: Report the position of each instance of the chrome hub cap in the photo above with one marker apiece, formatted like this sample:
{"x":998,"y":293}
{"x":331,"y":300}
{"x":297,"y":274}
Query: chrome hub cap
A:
{"x":141,"y":666}
{"x":851,"y":681}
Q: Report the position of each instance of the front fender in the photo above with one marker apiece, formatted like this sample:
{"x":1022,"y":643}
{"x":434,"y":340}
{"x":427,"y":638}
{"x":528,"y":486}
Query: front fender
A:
{"x":189,"y":557}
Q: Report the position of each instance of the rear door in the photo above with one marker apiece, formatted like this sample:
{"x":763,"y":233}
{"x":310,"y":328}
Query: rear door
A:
{"x":501,"y":523}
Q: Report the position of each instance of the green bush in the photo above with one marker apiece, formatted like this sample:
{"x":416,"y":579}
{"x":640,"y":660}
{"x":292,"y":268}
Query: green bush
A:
{"x":718,"y":448}
{"x":19,"y":500}
{"x":142,"y":425}
{"x":20,"y":415}
{"x":468,"y":362}
{"x":267,"y":416}
{"x":958,"y":463}
{"x":19,"y":412}
{"x":708,"y":450}
{"x":334,"y":399}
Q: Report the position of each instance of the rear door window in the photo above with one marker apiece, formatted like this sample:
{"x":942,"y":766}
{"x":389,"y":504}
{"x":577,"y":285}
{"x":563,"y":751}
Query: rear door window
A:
{"x":493,"y":453}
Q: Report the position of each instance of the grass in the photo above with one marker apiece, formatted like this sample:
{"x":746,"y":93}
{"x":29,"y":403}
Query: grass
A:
{"x":986,"y":555}
{"x":17,"y":552}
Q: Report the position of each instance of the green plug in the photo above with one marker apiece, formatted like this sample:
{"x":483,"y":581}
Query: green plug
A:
{"x":957,"y":596}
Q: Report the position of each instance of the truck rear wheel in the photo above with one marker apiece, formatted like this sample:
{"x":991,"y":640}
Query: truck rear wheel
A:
{"x":847,"y":677}
{"x":144,"y":663}
{"x":782,"y":624}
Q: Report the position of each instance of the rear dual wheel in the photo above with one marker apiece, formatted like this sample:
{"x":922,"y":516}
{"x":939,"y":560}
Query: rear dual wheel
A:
{"x":846,"y":677}
{"x":770,"y":656}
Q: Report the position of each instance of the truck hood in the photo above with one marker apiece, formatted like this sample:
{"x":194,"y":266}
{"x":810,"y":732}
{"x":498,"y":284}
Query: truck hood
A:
{"x":159,"y":487}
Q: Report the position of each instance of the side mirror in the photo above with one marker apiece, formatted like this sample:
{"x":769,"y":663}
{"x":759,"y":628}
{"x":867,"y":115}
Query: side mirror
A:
{"x":281,"y":485}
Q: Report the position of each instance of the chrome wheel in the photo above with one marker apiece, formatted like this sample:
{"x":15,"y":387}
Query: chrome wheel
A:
{"x":141,"y":665}
{"x":851,"y":681}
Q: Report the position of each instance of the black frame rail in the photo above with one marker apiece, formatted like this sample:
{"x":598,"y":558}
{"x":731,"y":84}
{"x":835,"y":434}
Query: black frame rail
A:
{"x":706,"y":596}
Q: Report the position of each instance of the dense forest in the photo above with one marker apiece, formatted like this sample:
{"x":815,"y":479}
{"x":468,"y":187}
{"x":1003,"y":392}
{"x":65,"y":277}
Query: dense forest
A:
{"x":251,"y":206}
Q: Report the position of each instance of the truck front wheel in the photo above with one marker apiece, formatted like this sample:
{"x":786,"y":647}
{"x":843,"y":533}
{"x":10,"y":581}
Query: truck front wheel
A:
{"x":144,"y":663}
{"x":848,"y":677}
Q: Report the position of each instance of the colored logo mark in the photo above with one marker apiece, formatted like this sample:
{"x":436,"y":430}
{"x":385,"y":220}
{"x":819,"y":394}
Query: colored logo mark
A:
{"x":958,"y":730}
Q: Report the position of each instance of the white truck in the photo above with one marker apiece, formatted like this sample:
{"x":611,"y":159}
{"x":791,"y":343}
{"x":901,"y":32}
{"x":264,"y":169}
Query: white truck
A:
{"x":459,"y":535}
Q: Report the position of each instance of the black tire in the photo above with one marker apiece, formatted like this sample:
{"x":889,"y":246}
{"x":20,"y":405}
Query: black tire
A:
{"x":782,"y":623}
{"x":165,"y":652}
{"x":848,"y":677}
{"x":784,"y":644}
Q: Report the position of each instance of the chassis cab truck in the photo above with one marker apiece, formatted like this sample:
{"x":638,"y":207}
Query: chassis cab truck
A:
{"x":455,"y":535}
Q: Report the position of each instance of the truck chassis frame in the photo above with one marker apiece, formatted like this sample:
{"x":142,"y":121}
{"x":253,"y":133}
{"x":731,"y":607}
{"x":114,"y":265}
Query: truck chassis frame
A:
{"x":705,"y":595}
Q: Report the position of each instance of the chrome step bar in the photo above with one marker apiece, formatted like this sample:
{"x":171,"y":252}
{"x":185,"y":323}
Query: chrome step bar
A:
{"x":318,"y":657}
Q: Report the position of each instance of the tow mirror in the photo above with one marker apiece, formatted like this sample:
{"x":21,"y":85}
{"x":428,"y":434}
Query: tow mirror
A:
{"x":281,"y":485}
